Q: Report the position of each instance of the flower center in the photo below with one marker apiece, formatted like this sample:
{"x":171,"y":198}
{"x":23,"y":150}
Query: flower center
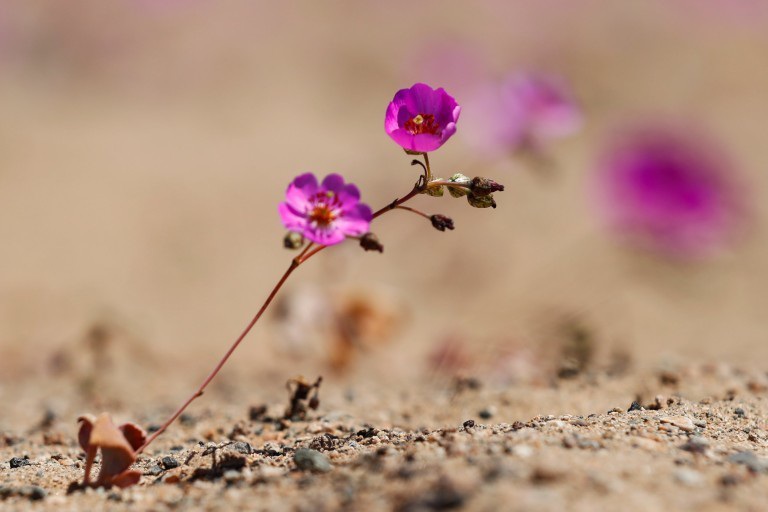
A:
{"x":324,"y":209}
{"x":422,"y":123}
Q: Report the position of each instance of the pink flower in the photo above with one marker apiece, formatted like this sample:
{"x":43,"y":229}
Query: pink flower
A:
{"x":421,"y":119}
{"x":324,"y":213}
{"x":669,"y":192}
{"x":525,"y":111}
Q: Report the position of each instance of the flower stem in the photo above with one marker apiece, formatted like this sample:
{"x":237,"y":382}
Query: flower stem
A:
{"x":307,"y":253}
{"x":414,"y":210}
{"x":294,"y":264}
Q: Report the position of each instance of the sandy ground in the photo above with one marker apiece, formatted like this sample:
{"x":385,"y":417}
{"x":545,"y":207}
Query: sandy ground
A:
{"x":694,"y":437}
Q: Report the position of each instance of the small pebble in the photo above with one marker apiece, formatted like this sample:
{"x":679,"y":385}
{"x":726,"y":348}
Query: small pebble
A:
{"x":154,"y":471}
{"x":740,"y":412}
{"x":243,"y":447}
{"x":169,"y":462}
{"x":32,"y":492}
{"x":695,"y":444}
{"x":681,"y":422}
{"x":688,"y":477}
{"x":311,"y":460}
{"x":487,"y":413}
{"x":18,"y":462}
{"x":468,"y":424}
{"x":635,"y":406}
{"x":750,"y":460}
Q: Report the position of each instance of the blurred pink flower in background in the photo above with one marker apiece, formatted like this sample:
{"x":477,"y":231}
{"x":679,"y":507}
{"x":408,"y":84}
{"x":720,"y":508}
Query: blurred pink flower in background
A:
{"x":524,"y":111}
{"x":421,"y":119}
{"x":325,"y":213}
{"x":669,"y":192}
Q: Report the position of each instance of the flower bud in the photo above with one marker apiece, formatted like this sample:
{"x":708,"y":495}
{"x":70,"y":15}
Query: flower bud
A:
{"x":482,"y":201}
{"x":293,"y":240}
{"x":441,"y":222}
{"x":370,"y":242}
{"x":459,"y":179}
{"x":435,"y":191}
{"x":484,"y":186}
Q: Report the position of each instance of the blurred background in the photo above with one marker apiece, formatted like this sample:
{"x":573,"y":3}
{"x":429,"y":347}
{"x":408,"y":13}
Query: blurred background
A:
{"x":146,"y":144}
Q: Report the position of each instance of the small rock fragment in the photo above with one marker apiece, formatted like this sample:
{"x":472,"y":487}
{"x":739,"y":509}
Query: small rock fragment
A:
{"x":311,"y":460}
{"x":32,"y":492}
{"x":169,"y":463}
{"x":487,"y":413}
{"x":681,"y":422}
{"x":243,"y":447}
{"x":750,"y":460}
{"x":18,"y":462}
{"x":695,"y":444}
{"x":688,"y":477}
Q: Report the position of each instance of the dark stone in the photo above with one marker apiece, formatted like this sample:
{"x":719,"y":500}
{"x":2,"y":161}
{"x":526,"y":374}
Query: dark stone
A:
{"x":257,"y":412}
{"x":695,"y":444}
{"x":750,"y":460}
{"x":740,"y":412}
{"x":325,"y":442}
{"x":154,"y":471}
{"x":468,"y":424}
{"x":635,"y":407}
{"x":18,"y":462}
{"x":367,"y":432}
{"x":242,"y":447}
{"x":486,"y":414}
{"x":169,"y":462}
{"x":32,"y":492}
{"x":187,"y":419}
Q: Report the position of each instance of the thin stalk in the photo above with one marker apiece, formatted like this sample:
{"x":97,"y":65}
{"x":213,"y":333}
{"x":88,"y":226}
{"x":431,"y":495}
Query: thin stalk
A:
{"x":307,"y":253}
{"x":414,"y":210}
{"x":224,"y":359}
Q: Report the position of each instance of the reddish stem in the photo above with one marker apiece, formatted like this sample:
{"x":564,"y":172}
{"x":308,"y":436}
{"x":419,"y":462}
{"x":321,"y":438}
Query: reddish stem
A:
{"x":199,"y":392}
{"x":298,"y":260}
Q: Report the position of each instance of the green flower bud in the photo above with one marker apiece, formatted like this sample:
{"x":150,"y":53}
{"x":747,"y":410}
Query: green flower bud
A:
{"x":435,"y":191}
{"x":481,"y":202}
{"x":459,"y":179}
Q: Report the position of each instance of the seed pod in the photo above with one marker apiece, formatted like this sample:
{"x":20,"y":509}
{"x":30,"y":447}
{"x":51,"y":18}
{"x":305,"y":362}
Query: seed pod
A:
{"x":441,"y":222}
{"x":293,"y":240}
{"x":484,"y":186}
{"x":370,"y":242}
{"x":459,"y":179}
{"x":481,"y":202}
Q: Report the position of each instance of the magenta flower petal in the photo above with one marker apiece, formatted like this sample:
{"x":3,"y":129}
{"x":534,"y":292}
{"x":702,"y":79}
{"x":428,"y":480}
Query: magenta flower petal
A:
{"x":324,"y":213}
{"x":527,"y":110}
{"x":421,"y":119}
{"x":300,"y":190}
{"x":665,"y":191}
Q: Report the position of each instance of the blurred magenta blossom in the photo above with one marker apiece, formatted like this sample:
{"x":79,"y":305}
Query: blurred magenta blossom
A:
{"x":669,"y":192}
{"x":524,"y":111}
{"x":421,"y":119}
{"x":324,"y":213}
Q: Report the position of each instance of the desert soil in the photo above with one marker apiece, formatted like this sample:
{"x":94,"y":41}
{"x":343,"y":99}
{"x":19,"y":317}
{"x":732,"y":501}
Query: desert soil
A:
{"x":692,"y":438}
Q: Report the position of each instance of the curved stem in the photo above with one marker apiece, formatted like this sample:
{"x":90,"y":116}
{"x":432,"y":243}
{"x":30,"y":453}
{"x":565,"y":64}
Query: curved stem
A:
{"x":199,"y":392}
{"x":307,"y":253}
{"x":414,"y":210}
